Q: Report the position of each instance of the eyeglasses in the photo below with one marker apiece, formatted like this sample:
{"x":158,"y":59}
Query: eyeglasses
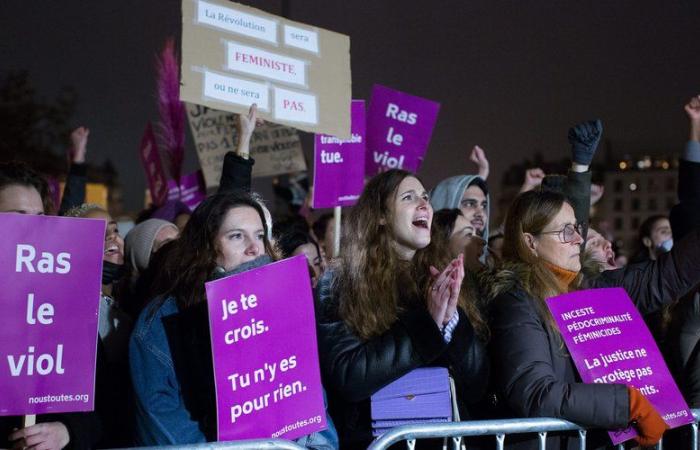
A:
{"x":568,"y":233}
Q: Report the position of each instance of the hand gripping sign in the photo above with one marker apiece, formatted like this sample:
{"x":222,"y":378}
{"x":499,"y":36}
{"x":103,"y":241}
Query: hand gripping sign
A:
{"x":610,"y":343}
{"x":50,"y":270}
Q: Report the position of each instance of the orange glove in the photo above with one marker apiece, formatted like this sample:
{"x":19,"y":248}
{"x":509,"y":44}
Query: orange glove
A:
{"x":649,"y":424}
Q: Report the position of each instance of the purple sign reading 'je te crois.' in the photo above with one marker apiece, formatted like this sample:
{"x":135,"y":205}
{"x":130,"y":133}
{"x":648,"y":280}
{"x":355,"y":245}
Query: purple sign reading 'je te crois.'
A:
{"x":399,"y":127}
{"x":263,"y":335}
{"x":610,"y":343}
{"x":51,"y":271}
{"x":339,"y":169}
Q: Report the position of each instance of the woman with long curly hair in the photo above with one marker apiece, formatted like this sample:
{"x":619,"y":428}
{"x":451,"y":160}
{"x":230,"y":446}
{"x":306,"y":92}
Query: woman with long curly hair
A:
{"x":388,"y":310}
{"x":535,"y":376}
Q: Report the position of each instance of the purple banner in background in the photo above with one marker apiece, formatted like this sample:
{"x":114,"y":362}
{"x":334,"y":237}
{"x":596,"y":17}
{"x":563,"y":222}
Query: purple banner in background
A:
{"x":263,"y":335}
{"x":50,"y":273}
{"x":339,"y":168}
{"x":610,"y":343}
{"x":399,"y":127}
{"x":192,"y":190}
{"x":150,"y":159}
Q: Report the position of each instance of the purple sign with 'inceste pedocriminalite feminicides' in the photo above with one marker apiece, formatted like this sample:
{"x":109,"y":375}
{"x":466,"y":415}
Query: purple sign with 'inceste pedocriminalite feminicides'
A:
{"x":610,"y":343}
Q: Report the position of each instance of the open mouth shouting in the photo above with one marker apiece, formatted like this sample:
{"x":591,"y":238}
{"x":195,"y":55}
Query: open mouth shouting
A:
{"x":421,"y":222}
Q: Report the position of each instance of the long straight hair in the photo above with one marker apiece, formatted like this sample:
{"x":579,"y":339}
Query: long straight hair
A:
{"x":373,"y":284}
{"x":531,"y":212}
{"x":192,"y":260}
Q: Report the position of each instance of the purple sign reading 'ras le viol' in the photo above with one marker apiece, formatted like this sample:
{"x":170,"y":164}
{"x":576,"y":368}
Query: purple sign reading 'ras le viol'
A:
{"x":399,"y":127}
{"x":51,"y":271}
{"x":263,"y":334}
{"x":339,"y":169}
{"x":610,"y":343}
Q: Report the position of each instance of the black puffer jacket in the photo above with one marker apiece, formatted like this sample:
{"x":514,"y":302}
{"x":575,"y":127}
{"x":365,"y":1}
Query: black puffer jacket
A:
{"x":535,"y":376}
{"x":354,"y":369}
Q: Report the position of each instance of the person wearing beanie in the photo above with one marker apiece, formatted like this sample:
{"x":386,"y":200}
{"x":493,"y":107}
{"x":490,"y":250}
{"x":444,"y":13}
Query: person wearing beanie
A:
{"x":145,"y":239}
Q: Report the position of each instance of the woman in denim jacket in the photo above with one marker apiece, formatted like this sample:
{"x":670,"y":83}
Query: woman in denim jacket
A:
{"x":170,"y":350}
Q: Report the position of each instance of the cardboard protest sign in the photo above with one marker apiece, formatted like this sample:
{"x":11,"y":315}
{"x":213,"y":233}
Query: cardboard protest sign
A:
{"x":51,"y":271}
{"x":275,"y":148}
{"x":150,"y":159}
{"x":234,"y":55}
{"x":263,"y":336}
{"x":399,"y":127}
{"x":191,"y":192}
{"x":339,"y":169}
{"x":610,"y":343}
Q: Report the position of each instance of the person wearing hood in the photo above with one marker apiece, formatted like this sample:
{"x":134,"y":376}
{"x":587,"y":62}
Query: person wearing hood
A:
{"x":469,"y":193}
{"x":170,"y":349}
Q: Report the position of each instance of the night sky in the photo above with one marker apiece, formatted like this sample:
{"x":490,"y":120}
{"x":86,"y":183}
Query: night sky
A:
{"x":511,"y":76}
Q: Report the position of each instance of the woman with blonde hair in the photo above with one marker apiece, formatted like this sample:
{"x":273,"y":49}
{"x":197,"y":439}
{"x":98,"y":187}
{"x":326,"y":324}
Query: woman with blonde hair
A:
{"x":388,"y":310}
{"x":535,"y":375}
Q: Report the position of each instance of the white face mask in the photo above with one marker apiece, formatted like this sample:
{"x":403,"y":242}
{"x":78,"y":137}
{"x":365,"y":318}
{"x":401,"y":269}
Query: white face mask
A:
{"x":665,"y":246}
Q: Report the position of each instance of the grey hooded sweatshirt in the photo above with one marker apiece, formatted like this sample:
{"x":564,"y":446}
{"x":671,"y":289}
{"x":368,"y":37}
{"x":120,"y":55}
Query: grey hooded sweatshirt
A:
{"x":448,"y":194}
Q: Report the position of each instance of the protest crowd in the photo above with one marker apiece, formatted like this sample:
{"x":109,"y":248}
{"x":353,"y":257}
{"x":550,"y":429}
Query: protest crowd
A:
{"x":425,"y":287}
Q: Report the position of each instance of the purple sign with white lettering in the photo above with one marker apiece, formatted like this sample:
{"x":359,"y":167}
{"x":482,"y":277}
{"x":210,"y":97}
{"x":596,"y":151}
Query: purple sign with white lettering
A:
{"x":263,"y":335}
{"x":610,"y":343}
{"x":399,"y":127}
{"x":339,"y":169}
{"x":192,"y":190}
{"x":51,"y":271}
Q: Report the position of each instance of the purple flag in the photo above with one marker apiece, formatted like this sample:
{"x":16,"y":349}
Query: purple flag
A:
{"x":610,"y":343}
{"x":339,"y":169}
{"x":399,"y":127}
{"x":192,"y":190}
{"x":150,"y":158}
{"x":51,"y":271}
{"x":263,"y":335}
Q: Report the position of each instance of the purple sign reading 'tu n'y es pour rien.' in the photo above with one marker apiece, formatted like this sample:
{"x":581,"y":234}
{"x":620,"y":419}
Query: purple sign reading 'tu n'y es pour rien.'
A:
{"x":263,"y":334}
{"x":51,"y":271}
{"x":610,"y":343}
{"x":399,"y":127}
{"x":339,"y":169}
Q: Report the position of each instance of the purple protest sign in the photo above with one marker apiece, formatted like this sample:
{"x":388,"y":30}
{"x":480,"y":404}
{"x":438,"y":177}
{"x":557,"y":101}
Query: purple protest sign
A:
{"x":610,"y":343}
{"x":263,"y":335}
{"x":399,"y":127}
{"x":339,"y":169}
{"x":192,"y":190}
{"x":150,"y":158}
{"x":50,"y":270}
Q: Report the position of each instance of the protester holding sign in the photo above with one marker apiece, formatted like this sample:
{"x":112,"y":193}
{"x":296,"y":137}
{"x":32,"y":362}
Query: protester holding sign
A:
{"x":24,"y":191}
{"x":535,"y":377}
{"x":170,"y":352}
{"x":386,"y":308}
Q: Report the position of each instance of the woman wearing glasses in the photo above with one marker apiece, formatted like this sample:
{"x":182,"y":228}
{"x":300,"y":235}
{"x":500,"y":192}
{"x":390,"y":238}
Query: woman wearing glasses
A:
{"x":535,"y":376}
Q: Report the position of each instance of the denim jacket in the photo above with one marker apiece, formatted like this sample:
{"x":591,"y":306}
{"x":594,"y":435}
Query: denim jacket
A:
{"x":161,"y":415}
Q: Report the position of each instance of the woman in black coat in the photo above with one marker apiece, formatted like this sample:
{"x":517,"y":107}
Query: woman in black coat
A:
{"x":534,"y":373}
{"x":387,"y":310}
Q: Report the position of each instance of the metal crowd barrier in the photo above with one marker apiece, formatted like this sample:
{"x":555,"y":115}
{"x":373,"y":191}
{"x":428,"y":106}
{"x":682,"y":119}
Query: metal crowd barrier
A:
{"x":455,"y":431}
{"x":257,"y":444}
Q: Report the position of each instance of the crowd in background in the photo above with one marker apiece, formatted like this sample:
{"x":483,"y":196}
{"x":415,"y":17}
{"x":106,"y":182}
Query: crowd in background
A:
{"x":423,"y":278}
